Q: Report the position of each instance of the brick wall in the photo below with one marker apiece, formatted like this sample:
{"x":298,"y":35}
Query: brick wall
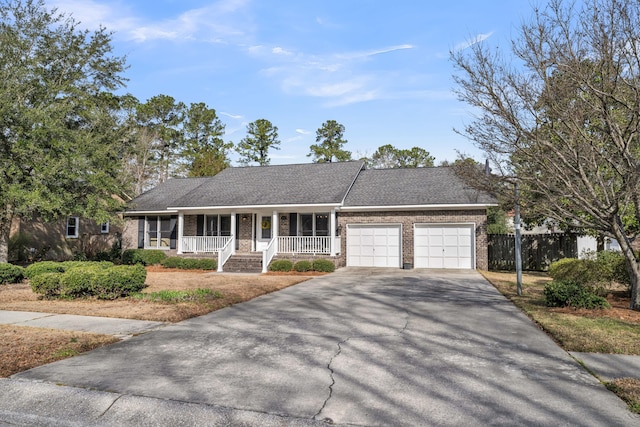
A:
{"x":409,"y":218}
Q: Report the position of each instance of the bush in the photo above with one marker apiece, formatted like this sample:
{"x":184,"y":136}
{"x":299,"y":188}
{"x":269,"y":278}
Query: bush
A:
{"x":100,"y":279}
{"x":281,"y":265}
{"x":42,"y":267}
{"x":143,"y":256}
{"x":597,"y":272}
{"x":323,"y":265}
{"x":46,"y":284}
{"x":10,"y":273}
{"x":302,"y":266}
{"x":572,"y":294}
{"x":190,"y":263}
{"x":118,"y":281}
{"x":77,"y":282}
{"x":612,"y":267}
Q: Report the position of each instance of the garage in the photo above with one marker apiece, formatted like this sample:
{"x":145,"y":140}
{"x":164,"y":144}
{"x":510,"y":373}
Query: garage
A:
{"x":444,"y":246}
{"x":374,"y":245}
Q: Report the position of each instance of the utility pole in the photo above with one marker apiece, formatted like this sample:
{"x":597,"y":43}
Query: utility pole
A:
{"x":518,"y":249}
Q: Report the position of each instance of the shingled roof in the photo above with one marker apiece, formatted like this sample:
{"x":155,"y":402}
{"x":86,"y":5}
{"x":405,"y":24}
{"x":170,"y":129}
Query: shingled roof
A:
{"x":165,"y":194}
{"x":300,"y":184}
{"x":313,"y":184}
{"x":413,"y":187}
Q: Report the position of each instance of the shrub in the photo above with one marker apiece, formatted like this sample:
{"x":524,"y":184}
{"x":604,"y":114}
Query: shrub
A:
{"x":612,"y":267}
{"x":572,"y":294}
{"x":302,"y":266}
{"x":118,"y":281}
{"x":77,"y":282}
{"x":190,"y":263}
{"x":46,"y":284}
{"x":323,"y":265}
{"x":281,"y":265}
{"x":143,"y":256}
{"x":42,"y":267}
{"x":10,"y":273}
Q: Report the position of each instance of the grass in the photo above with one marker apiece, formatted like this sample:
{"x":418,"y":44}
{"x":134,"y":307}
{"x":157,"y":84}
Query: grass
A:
{"x":615,"y":330}
{"x":172,"y":296}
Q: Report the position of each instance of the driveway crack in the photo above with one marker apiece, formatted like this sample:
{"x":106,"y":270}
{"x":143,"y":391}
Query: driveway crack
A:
{"x":333,"y":381}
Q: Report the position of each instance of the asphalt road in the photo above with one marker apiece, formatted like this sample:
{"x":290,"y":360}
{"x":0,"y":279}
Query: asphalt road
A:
{"x":358,"y":347}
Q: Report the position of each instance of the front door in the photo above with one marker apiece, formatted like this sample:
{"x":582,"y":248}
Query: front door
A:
{"x":264,"y":231}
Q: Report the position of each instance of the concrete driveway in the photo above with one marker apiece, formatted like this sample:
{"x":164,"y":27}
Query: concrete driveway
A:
{"x":359,"y":347}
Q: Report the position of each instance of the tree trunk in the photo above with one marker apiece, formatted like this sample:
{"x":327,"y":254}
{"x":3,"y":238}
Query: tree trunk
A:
{"x":5,"y":228}
{"x":632,"y":263}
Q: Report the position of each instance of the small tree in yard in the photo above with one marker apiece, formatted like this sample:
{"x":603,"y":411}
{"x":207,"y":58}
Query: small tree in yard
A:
{"x":60,"y":148}
{"x":561,"y":118}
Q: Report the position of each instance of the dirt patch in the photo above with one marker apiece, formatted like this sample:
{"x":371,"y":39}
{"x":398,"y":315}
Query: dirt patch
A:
{"x":23,"y":348}
{"x":619,"y":301}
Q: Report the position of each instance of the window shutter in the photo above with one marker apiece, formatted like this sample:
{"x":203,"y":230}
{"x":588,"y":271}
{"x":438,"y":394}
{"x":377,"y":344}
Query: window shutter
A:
{"x":141,"y":221}
{"x":172,"y":239}
{"x":293,"y":224}
{"x":200,"y":225}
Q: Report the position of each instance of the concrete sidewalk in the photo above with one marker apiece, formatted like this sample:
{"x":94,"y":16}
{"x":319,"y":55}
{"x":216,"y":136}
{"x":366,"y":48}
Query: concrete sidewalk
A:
{"x":99,"y":325}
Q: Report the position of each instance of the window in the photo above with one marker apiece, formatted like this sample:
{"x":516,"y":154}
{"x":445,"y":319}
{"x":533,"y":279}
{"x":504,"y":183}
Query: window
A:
{"x":217,"y":225}
{"x":104,"y":228}
{"x":73,"y":224}
{"x":158,"y":232}
{"x":314,"y":224}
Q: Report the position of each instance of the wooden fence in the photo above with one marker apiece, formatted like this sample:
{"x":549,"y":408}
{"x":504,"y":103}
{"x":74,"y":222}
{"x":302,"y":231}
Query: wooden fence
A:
{"x":538,"y":250}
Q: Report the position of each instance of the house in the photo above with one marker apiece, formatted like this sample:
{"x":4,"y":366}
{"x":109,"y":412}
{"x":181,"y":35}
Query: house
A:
{"x":60,"y":240}
{"x":421,"y":217}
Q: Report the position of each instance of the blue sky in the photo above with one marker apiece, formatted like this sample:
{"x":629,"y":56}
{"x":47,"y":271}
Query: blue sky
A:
{"x":381,"y":68}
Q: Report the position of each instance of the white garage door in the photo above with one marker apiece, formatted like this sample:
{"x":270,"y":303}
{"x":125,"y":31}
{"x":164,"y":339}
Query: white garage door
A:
{"x":373,"y":245}
{"x":444,"y":246}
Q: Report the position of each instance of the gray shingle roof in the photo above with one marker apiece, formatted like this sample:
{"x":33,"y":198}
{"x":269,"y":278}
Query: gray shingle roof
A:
{"x":164,"y":195}
{"x":311,"y":184}
{"x":413,"y":186}
{"x":303,"y":184}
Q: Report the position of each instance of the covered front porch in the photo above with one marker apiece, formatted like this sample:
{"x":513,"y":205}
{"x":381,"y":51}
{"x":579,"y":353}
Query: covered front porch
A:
{"x":270,"y":233}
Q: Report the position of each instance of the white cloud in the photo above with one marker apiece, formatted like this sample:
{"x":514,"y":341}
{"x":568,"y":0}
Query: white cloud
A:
{"x":217,"y":22}
{"x":281,"y":51}
{"x":233,"y":116}
{"x":474,"y":40}
{"x":303,"y":131}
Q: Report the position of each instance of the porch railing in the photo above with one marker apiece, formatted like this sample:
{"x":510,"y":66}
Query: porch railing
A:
{"x":225,"y":253}
{"x":268,"y":253}
{"x":304,"y":244}
{"x":200,"y":244}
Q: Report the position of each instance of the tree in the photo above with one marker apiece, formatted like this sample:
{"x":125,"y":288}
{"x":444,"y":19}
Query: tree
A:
{"x":60,"y":143}
{"x":261,"y":137}
{"x":162,"y":117}
{"x":562,"y":120}
{"x":388,"y":156}
{"x":330,"y":139}
{"x":205,"y":152}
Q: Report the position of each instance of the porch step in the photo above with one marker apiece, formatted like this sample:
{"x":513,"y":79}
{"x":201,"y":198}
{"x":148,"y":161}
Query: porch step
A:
{"x":244,"y":263}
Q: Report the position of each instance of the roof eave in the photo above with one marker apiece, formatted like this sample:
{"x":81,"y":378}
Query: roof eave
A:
{"x":448,"y":207}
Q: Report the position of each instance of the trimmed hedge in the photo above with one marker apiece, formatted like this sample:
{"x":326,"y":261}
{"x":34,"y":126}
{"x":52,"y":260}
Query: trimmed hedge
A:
{"x":143,"y":256}
{"x":281,"y":265}
{"x":42,"y":267}
{"x":597,"y":271}
{"x":46,"y":284}
{"x":10,"y":273}
{"x":302,"y":266}
{"x":190,"y":263}
{"x":572,"y":294}
{"x":92,"y":279}
{"x":324,"y":265}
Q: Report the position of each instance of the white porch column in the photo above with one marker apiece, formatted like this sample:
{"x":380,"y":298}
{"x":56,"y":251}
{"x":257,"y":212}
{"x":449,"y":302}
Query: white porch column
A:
{"x":274,"y":229}
{"x":332,"y":232}
{"x":233,"y":232}
{"x":180,"y":231}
